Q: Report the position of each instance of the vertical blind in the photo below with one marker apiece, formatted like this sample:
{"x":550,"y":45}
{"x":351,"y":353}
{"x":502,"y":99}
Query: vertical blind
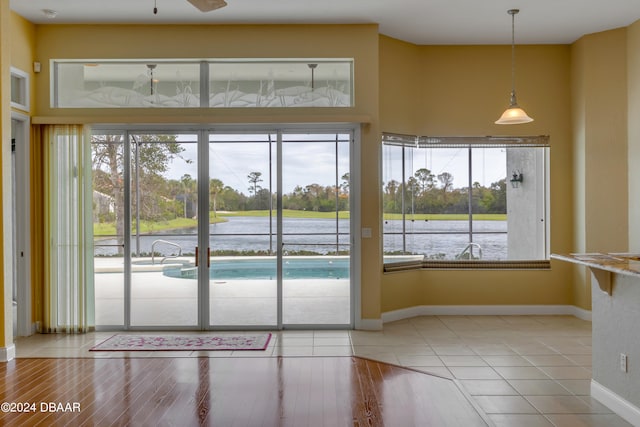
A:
{"x":68,"y":293}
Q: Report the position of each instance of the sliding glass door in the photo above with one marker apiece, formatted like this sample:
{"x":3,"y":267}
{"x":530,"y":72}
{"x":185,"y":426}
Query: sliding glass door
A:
{"x":243,"y":288}
{"x":316,"y":229}
{"x":108,"y":176}
{"x":145,"y":203}
{"x":164,"y":229}
{"x":222,"y":230}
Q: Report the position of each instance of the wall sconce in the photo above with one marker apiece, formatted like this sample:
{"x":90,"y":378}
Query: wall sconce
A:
{"x":516,"y":178}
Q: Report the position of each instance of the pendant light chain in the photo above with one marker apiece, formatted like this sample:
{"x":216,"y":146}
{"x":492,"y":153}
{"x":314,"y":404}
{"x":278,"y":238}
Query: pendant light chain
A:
{"x":513,"y":50}
{"x":514,"y":114}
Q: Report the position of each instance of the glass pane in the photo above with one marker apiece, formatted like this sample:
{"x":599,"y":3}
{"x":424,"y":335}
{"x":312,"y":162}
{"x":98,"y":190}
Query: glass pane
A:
{"x":130,"y":85}
{"x":505,"y":198}
{"x":19,"y":89}
{"x":164,"y":226}
{"x":281,"y":84}
{"x":178,"y":84}
{"x":393,"y":203}
{"x":107,"y":151}
{"x":242,"y":230}
{"x":436,"y":201}
{"x":489,"y":204}
{"x":316,"y":284}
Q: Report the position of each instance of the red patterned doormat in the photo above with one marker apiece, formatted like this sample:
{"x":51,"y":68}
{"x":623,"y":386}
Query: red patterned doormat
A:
{"x":126,"y":342}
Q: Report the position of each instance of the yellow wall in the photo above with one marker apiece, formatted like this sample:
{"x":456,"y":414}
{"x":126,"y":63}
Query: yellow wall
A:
{"x":239,"y":41}
{"x":466,"y":89}
{"x":400,"y":80}
{"x":425,"y":90}
{"x":213,"y":41}
{"x":462,"y":90}
{"x":6,"y":333}
{"x":599,"y":86}
{"x":633,"y":160}
{"x":605,"y":136}
{"x":23,"y":45}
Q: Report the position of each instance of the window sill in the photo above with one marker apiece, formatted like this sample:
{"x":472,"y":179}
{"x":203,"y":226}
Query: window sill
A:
{"x":467,"y":265}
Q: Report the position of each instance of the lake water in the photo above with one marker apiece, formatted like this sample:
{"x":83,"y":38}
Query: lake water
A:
{"x":319,"y":235}
{"x":447,"y":238}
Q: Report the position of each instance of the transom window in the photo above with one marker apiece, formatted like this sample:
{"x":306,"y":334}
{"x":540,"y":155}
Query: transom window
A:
{"x":19,"y":89}
{"x":219,"y":83}
{"x":464,"y":198}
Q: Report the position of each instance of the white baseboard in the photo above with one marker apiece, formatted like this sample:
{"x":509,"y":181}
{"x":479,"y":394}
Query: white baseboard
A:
{"x":369,"y":324}
{"x":581,"y":313}
{"x":7,"y":353}
{"x":617,"y":404}
{"x":484,"y":310}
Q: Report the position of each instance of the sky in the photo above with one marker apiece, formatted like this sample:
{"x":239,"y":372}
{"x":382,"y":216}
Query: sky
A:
{"x":488,"y":164}
{"x":233,"y":157}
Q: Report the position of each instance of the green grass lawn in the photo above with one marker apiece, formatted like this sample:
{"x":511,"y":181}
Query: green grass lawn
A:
{"x":448,"y":217}
{"x":109,"y":229}
{"x":288,"y":213}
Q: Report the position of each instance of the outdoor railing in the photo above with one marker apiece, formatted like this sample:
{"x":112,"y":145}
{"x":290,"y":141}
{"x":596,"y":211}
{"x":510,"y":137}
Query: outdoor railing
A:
{"x":166,"y":242}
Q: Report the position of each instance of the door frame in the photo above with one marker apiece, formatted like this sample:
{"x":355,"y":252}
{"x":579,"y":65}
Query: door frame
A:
{"x":128,"y":132}
{"x":202,"y":132}
{"x":354,"y":170}
{"x":25,"y":326}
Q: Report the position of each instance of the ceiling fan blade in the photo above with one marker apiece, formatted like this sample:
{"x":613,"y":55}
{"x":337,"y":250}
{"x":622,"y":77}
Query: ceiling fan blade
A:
{"x":208,"y":5}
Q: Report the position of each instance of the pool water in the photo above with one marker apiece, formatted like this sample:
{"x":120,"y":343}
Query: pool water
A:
{"x":265,"y":269}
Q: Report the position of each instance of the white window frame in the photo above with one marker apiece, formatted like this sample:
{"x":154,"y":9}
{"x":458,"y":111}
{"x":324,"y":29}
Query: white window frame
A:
{"x":301,"y":73}
{"x":539,"y":182}
{"x":22,"y":101}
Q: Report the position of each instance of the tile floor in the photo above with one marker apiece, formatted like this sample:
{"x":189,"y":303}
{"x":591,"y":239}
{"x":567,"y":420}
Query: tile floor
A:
{"x":522,"y":371}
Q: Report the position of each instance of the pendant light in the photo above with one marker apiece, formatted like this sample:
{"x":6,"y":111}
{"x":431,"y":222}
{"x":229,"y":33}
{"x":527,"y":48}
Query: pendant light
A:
{"x":514,"y":114}
{"x":151,"y":67}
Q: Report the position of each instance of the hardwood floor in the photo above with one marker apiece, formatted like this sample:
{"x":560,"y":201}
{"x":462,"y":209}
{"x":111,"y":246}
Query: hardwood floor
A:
{"x":276,"y":391}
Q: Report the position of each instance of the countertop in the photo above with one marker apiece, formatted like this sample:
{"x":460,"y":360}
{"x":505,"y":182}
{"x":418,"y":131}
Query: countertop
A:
{"x":621,"y":263}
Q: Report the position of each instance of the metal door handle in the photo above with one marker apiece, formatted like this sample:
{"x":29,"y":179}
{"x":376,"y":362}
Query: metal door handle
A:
{"x":208,"y":257}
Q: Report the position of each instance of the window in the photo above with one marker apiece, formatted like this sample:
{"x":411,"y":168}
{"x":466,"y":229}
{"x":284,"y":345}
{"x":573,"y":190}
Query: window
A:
{"x":300,"y":83}
{"x":216,"y":83}
{"x":121,"y":84}
{"x":19,"y":89}
{"x":464,"y":199}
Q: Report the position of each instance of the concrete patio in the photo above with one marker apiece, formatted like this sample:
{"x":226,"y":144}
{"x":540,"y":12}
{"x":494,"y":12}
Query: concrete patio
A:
{"x":160,"y":300}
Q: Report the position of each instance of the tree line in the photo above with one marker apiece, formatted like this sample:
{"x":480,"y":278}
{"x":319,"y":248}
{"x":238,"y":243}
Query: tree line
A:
{"x":312,"y":197}
{"x":428,"y":193}
{"x":157,"y":198}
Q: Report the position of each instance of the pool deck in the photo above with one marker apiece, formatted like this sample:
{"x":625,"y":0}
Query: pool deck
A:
{"x":159,"y":300}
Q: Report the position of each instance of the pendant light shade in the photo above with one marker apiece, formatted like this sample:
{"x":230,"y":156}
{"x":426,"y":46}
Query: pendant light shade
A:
{"x":514,"y":114}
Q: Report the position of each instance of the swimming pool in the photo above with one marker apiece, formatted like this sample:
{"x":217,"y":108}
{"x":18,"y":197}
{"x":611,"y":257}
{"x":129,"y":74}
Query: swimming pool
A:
{"x":265,"y":269}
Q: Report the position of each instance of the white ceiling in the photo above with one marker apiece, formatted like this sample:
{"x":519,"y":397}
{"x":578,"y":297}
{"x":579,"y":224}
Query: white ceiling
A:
{"x":416,"y":21}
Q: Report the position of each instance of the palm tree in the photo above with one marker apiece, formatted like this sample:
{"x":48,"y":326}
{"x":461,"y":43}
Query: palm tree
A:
{"x":215,"y":187}
{"x":391,"y":189}
{"x":254,"y":179}
{"x":189,"y":186}
{"x":346,"y":182}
